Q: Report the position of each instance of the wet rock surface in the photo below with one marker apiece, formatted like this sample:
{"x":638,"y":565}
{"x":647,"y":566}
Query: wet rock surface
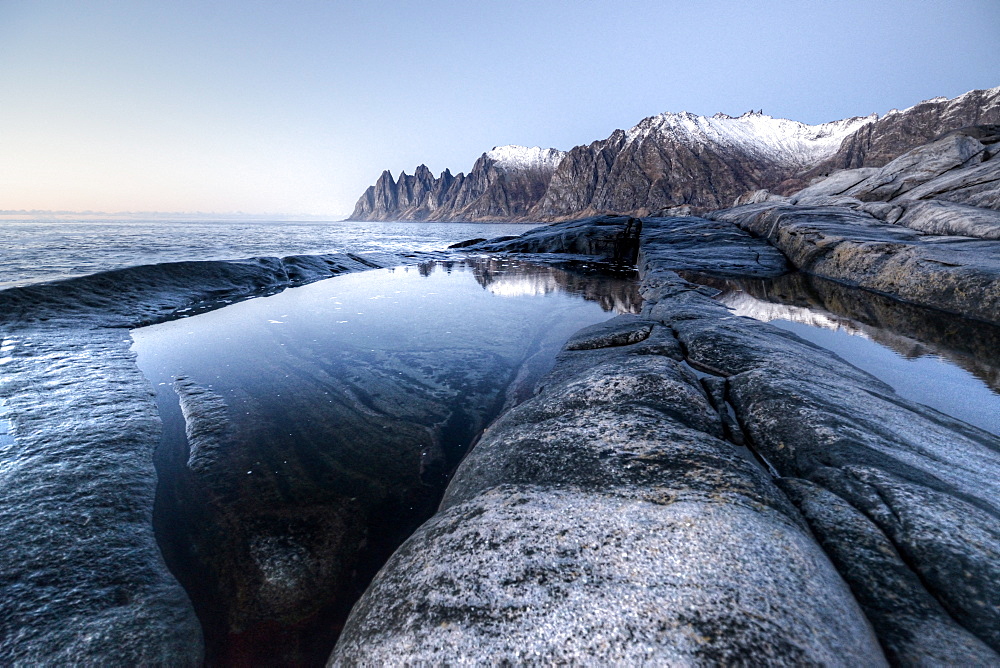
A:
{"x":606,"y":520}
{"x":955,"y":274}
{"x":674,"y":243}
{"x":83,"y":580}
{"x":911,"y":331}
{"x":926,"y":480}
{"x":638,"y":426}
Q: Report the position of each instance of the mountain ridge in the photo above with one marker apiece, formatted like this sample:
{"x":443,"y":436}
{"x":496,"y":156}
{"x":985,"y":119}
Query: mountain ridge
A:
{"x":673,"y":162}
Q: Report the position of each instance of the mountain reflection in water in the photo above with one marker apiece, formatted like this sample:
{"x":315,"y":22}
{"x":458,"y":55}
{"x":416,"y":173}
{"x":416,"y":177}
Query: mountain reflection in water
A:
{"x":942,"y":360}
{"x":320,"y":426}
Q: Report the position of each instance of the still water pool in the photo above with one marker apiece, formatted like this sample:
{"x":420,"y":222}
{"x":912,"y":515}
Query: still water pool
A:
{"x":938,"y":359}
{"x":307,"y":434}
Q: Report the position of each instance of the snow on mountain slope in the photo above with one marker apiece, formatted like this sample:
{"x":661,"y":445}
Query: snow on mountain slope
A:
{"x":775,"y":139}
{"x":523,"y":157}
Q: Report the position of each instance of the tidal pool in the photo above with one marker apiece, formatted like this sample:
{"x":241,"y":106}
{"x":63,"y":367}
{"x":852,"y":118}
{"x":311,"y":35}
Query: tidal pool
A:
{"x":938,"y":359}
{"x":307,"y":434}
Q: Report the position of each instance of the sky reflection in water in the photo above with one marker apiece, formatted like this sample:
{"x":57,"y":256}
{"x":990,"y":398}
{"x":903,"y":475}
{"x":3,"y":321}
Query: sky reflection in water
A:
{"x":346,"y":404}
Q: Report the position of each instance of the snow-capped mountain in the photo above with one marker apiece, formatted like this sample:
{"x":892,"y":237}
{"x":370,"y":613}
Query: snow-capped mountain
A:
{"x":765,"y":137}
{"x":513,"y":157}
{"x":667,"y":163}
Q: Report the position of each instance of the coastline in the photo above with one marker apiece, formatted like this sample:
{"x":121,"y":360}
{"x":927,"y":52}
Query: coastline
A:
{"x":744,"y":384}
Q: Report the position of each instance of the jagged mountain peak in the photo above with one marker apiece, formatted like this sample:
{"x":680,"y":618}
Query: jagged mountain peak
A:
{"x":986,"y":94}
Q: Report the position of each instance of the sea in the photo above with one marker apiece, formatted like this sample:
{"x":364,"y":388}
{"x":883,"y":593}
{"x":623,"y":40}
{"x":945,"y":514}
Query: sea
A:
{"x":34,"y":251}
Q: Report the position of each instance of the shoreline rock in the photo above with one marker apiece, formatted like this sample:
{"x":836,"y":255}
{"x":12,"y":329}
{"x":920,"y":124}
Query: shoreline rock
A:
{"x":606,"y":520}
{"x":648,"y":413}
{"x":83,"y":579}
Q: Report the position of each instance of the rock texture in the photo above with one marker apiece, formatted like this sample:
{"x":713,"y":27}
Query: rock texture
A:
{"x":922,"y":479}
{"x":607,"y":521}
{"x":894,"y":229}
{"x":588,"y":522}
{"x":672,"y":164}
{"x":503,"y":185}
{"x":910,"y":330}
{"x":82,"y":581}
{"x":677,"y":243}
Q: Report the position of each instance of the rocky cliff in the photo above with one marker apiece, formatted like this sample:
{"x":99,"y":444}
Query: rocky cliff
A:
{"x":683,"y":160}
{"x":671,"y":163}
{"x":504,"y":184}
{"x":878,"y":143}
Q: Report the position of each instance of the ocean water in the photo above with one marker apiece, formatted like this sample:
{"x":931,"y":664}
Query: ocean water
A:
{"x":33,"y":251}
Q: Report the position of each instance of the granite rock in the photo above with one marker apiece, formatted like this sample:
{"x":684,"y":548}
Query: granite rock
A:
{"x":954,"y":274}
{"x":912,"y":626}
{"x":927,"y":481}
{"x":605,"y":520}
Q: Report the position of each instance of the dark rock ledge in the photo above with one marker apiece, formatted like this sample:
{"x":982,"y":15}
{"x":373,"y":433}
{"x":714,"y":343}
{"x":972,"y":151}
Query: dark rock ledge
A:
{"x":924,"y":229}
{"x":615,"y":517}
{"x":82,"y":580}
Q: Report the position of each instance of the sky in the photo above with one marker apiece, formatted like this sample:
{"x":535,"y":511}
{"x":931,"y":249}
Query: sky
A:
{"x":296,"y":107}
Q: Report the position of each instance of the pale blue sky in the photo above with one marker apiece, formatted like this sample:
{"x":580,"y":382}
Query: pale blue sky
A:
{"x":297,"y":106}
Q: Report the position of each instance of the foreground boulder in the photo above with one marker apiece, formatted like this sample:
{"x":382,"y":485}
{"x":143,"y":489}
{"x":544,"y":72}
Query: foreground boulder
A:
{"x":616,"y":517}
{"x":607,"y":520}
{"x":903,"y":475}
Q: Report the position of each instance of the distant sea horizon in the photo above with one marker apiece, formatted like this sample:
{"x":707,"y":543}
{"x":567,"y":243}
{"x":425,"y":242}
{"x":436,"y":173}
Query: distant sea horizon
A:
{"x":57,"y":215}
{"x":35,"y":249}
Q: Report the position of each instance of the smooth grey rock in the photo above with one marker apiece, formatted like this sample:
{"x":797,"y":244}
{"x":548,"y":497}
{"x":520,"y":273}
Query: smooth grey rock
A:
{"x":958,"y":167}
{"x":606,"y":521}
{"x":620,"y":331}
{"x":884,"y":211}
{"x":911,"y":625}
{"x":929,"y":482}
{"x":521,"y":575}
{"x":975,"y":186}
{"x":949,"y":218}
{"x":755,"y":196}
{"x":954,"y":274}
{"x":837,"y":183}
{"x":918,"y":166}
